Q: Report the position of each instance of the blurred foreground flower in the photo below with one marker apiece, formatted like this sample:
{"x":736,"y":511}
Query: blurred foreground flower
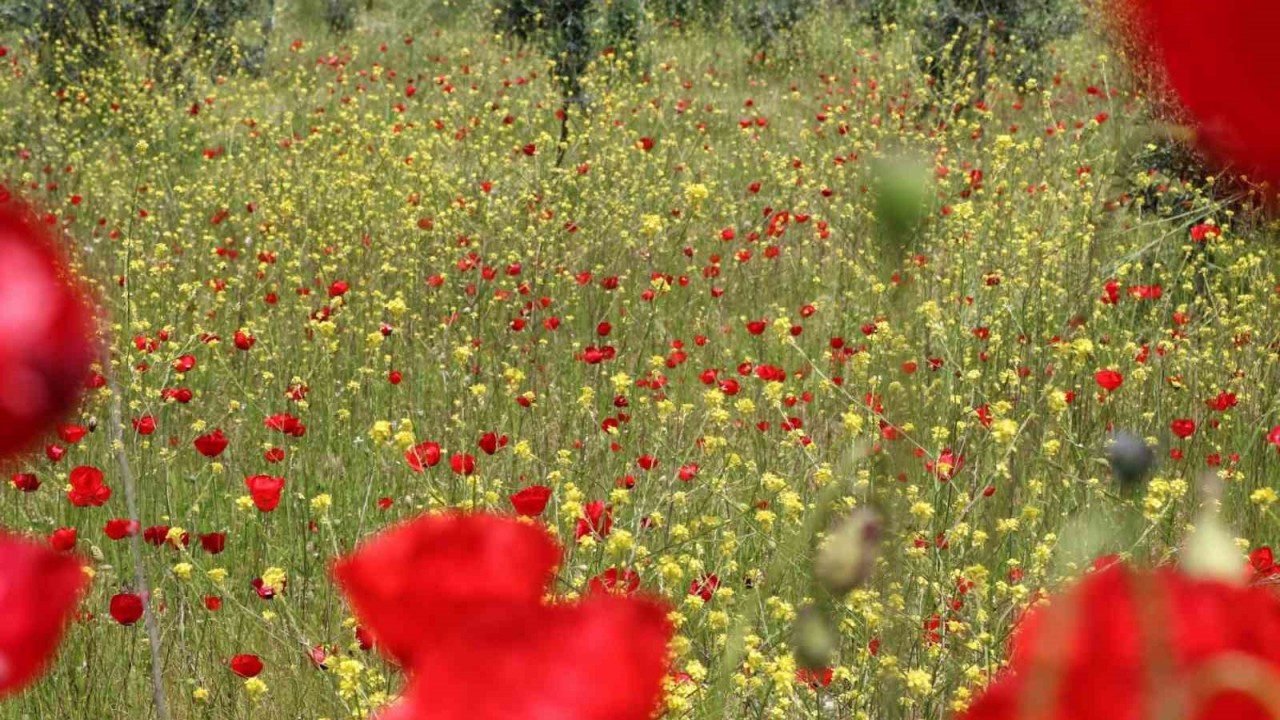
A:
{"x":46,"y":331}
{"x":39,"y":589}
{"x":1130,"y":644}
{"x":1231,"y":91}
{"x":458,"y":600}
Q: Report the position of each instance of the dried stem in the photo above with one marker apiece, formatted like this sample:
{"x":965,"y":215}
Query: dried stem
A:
{"x":135,"y":544}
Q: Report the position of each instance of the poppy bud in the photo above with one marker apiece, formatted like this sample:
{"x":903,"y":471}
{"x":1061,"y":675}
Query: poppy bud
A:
{"x":1131,"y":460}
{"x":848,"y":554}
{"x":901,"y":191}
{"x":812,"y":638}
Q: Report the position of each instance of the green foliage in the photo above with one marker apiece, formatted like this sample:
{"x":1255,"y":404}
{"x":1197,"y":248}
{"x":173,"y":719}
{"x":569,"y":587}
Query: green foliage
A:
{"x":708,"y":13}
{"x":340,"y":15}
{"x":767,"y":24}
{"x":880,"y":14}
{"x":622,"y":22}
{"x":566,"y":36}
{"x":961,"y":37}
{"x":517,"y":20}
{"x":69,"y":37}
{"x":77,"y":38}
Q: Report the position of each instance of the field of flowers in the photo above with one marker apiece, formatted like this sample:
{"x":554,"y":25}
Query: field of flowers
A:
{"x":371,"y":282}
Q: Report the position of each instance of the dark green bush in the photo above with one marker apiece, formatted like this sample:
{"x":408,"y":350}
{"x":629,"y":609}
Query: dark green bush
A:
{"x":74,"y":37}
{"x":971,"y":36}
{"x":766,"y":25}
{"x":340,"y":15}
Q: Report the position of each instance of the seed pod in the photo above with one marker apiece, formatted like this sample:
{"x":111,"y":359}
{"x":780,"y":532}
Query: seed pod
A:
{"x":901,"y":193}
{"x":1131,"y":459}
{"x":848,"y":554}
{"x":1210,"y":550}
{"x":812,"y":638}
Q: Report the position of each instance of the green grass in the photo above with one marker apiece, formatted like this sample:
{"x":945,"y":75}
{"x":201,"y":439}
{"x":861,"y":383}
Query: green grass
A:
{"x":999,"y":285}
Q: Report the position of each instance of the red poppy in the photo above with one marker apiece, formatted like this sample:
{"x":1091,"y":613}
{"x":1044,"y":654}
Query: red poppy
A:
{"x":286,"y":423}
{"x":246,"y":666}
{"x":87,"y":487}
{"x":1262,"y":564}
{"x":596,"y":518}
{"x":531,"y":501}
{"x":463,"y":464}
{"x":63,"y":539}
{"x":422,"y":456}
{"x":614,"y":580}
{"x":815,"y":678}
{"x":213,"y":543}
{"x":126,"y":608}
{"x":364,"y":638}
{"x":459,"y":564}
{"x":704,"y":587}
{"x":178,"y":395}
{"x":1121,"y":640}
{"x":946,"y":466}
{"x":265,"y":591}
{"x":156,"y":535}
{"x":121,"y":528}
{"x":46,"y":331}
{"x":212,"y":444}
{"x":490,"y":442}
{"x":38,"y":595}
{"x":265,"y":491}
{"x":1108,"y":380}
{"x":72,"y":434}
{"x":1203,"y":232}
{"x":1183,"y":427}
{"x":26,"y":482}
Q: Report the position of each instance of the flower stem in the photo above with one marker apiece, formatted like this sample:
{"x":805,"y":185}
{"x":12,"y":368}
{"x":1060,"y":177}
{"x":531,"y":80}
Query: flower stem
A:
{"x":135,"y":544}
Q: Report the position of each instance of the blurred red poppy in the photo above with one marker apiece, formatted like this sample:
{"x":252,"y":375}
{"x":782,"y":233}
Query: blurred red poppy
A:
{"x":1124,"y":641}
{"x":46,"y":331}
{"x":39,"y":590}
{"x":458,"y":599}
{"x":603,"y":658}
{"x":410,"y":583}
{"x":1217,"y":58}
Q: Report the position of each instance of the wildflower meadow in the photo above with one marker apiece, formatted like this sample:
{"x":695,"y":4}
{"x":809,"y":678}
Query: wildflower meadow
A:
{"x":611,"y":360}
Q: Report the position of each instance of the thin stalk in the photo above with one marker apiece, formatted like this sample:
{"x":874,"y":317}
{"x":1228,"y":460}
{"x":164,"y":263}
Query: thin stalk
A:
{"x":135,"y":543}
